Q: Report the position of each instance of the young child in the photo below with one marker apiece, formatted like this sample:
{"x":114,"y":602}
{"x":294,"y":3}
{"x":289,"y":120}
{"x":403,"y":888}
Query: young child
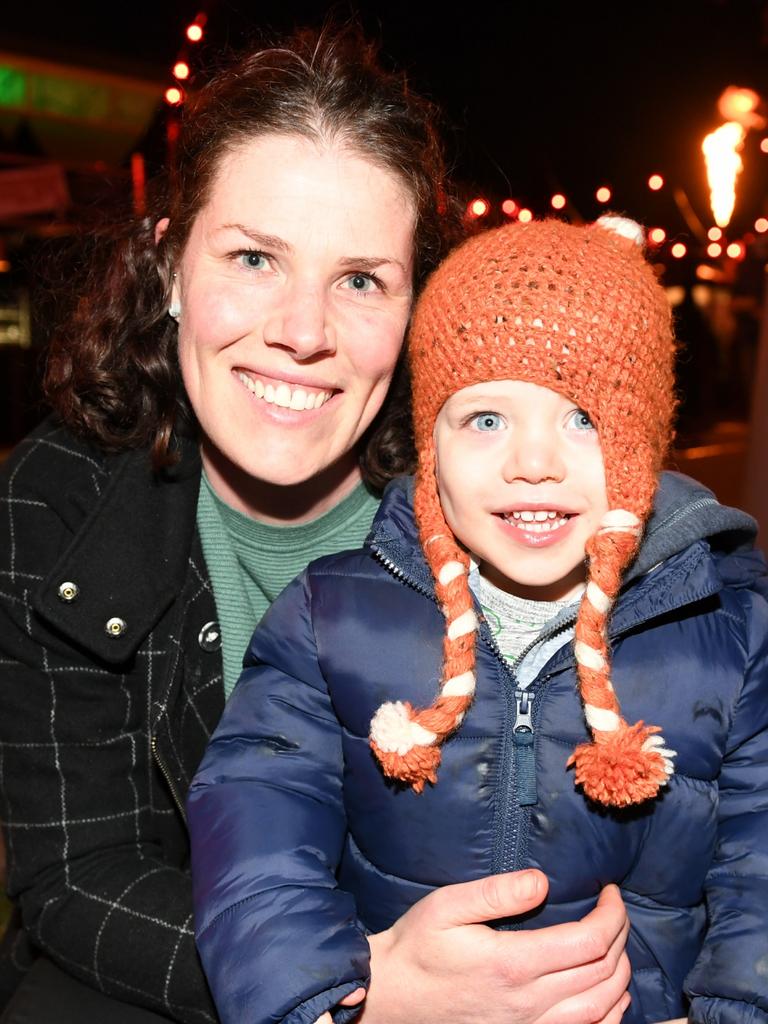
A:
{"x":470,"y":693}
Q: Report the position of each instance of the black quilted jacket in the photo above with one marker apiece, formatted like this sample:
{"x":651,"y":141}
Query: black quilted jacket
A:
{"x":110,"y":683}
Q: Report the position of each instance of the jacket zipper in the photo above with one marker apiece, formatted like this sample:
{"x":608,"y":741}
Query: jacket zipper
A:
{"x":518,"y":758}
{"x":167,"y":776}
{"x":518,"y":787}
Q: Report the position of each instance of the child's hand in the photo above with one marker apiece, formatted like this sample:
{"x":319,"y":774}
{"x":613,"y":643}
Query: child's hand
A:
{"x":351,"y":1000}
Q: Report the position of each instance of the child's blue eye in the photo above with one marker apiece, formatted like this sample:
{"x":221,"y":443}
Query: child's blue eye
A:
{"x":487,"y":421}
{"x":580,"y":421}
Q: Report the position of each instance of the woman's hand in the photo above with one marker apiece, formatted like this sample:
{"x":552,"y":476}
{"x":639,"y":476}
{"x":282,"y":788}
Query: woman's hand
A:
{"x":438,"y":963}
{"x":351,"y":1000}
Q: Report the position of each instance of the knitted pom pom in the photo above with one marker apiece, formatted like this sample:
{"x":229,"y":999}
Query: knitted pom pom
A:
{"x":624,"y":227}
{"x":404,"y":749}
{"x":623,"y":767}
{"x":416,"y":768}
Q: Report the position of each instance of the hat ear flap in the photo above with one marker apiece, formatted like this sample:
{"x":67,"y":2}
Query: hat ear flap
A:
{"x":406,"y":741}
{"x":624,"y":764}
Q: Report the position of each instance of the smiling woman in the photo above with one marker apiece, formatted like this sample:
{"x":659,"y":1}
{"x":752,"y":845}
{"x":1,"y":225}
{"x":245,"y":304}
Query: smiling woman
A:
{"x":294,"y":290}
{"x":216,"y":394}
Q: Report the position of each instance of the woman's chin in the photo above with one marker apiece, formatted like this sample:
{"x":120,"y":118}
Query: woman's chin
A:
{"x":282,"y":482}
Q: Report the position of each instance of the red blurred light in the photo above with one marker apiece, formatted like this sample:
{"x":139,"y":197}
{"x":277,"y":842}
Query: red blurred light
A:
{"x":736,"y":251}
{"x":764,"y":145}
{"x":657,"y":235}
{"x":194,"y":33}
{"x":655,"y":182}
{"x":525,"y":216}
{"x":557,"y":201}
{"x":761,"y":225}
{"x":181,"y":70}
{"x":603,"y":194}
{"x":509,"y":207}
{"x":678,"y":250}
{"x":478,"y":207}
{"x":714,"y":249}
{"x":715,"y":234}
{"x":173,"y":96}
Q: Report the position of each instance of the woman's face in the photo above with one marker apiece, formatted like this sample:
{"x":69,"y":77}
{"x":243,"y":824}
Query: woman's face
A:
{"x":295,"y":290}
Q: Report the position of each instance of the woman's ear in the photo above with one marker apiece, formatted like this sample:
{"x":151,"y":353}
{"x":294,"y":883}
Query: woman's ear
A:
{"x":160,"y":228}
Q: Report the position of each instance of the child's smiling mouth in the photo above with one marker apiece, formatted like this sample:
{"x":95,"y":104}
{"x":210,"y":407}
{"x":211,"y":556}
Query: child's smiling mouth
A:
{"x":538,"y":527}
{"x":538,"y":521}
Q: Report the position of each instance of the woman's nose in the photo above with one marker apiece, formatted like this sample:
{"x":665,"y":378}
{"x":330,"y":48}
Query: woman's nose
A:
{"x":300,"y":324}
{"x":533,"y":456}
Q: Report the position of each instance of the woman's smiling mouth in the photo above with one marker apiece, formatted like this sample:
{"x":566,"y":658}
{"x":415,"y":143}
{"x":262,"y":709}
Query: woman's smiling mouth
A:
{"x":288,"y":396}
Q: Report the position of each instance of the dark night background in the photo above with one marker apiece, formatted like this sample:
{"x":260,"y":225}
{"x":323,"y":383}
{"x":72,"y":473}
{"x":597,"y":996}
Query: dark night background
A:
{"x":537,"y":98}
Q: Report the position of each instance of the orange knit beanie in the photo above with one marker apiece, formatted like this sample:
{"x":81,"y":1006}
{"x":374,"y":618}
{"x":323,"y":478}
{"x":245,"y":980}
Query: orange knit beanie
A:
{"x":577,"y":310}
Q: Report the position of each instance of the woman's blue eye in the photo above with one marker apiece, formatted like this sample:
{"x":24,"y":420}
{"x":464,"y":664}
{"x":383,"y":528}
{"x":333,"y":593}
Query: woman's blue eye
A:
{"x":487,"y":421}
{"x":579,"y":420}
{"x":253,"y":260}
{"x":361,"y":283}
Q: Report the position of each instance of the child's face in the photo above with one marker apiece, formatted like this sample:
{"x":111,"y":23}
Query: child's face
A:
{"x":521,"y":482}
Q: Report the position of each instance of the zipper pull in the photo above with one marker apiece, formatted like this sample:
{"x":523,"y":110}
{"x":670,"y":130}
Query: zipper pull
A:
{"x":522,"y":736}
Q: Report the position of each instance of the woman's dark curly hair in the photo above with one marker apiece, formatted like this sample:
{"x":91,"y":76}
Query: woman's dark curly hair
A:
{"x":113,"y":373}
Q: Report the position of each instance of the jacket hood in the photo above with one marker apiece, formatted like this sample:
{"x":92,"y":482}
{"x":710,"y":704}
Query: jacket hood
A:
{"x":684,"y":512}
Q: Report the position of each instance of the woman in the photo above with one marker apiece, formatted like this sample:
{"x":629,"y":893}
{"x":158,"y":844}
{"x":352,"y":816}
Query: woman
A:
{"x":217,"y":396}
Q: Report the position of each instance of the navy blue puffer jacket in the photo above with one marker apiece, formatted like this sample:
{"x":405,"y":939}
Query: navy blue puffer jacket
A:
{"x":290,"y":813}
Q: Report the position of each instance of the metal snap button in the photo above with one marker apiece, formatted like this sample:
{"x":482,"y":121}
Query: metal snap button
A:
{"x":209,"y":637}
{"x":116,"y":626}
{"x":68,"y":591}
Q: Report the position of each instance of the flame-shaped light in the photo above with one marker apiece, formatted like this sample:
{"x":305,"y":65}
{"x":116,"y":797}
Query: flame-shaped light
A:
{"x":721,"y":150}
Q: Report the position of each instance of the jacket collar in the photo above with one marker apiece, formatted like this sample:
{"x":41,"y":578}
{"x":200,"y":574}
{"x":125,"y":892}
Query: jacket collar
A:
{"x":129,"y":559}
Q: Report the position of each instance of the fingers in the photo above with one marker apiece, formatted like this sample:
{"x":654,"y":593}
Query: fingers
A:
{"x":591,"y":941}
{"x":354,"y":998}
{"x":604,"y":1003}
{"x":486,"y":899}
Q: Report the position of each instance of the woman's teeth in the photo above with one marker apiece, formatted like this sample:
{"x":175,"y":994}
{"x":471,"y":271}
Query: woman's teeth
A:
{"x":285,"y":395}
{"x":540,"y":521}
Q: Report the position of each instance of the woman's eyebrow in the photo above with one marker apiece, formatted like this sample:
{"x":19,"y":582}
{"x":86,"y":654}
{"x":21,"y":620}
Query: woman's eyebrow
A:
{"x":263,"y":241}
{"x":371,"y":262}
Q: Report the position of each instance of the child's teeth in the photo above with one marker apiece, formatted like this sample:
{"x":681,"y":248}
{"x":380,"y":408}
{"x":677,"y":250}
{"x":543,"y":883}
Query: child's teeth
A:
{"x":540,"y":521}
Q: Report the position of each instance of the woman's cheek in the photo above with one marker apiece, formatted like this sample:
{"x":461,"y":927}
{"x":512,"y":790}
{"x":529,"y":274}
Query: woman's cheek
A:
{"x":377,"y":339}
{"x":220,"y":316}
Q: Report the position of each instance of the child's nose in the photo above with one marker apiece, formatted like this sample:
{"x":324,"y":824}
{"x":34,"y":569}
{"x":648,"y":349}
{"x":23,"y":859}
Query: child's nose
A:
{"x":533,"y":457}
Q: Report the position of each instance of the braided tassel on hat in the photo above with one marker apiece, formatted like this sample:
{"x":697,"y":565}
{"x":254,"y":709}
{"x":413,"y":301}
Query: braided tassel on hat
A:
{"x":624,"y":764}
{"x":407,"y":741}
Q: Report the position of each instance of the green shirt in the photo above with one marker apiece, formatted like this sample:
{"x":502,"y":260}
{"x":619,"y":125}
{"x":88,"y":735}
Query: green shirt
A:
{"x":250,"y":562}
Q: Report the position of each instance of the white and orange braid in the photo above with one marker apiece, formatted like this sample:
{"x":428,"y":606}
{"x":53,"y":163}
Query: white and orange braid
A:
{"x":407,"y":740}
{"x":625,"y":764}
